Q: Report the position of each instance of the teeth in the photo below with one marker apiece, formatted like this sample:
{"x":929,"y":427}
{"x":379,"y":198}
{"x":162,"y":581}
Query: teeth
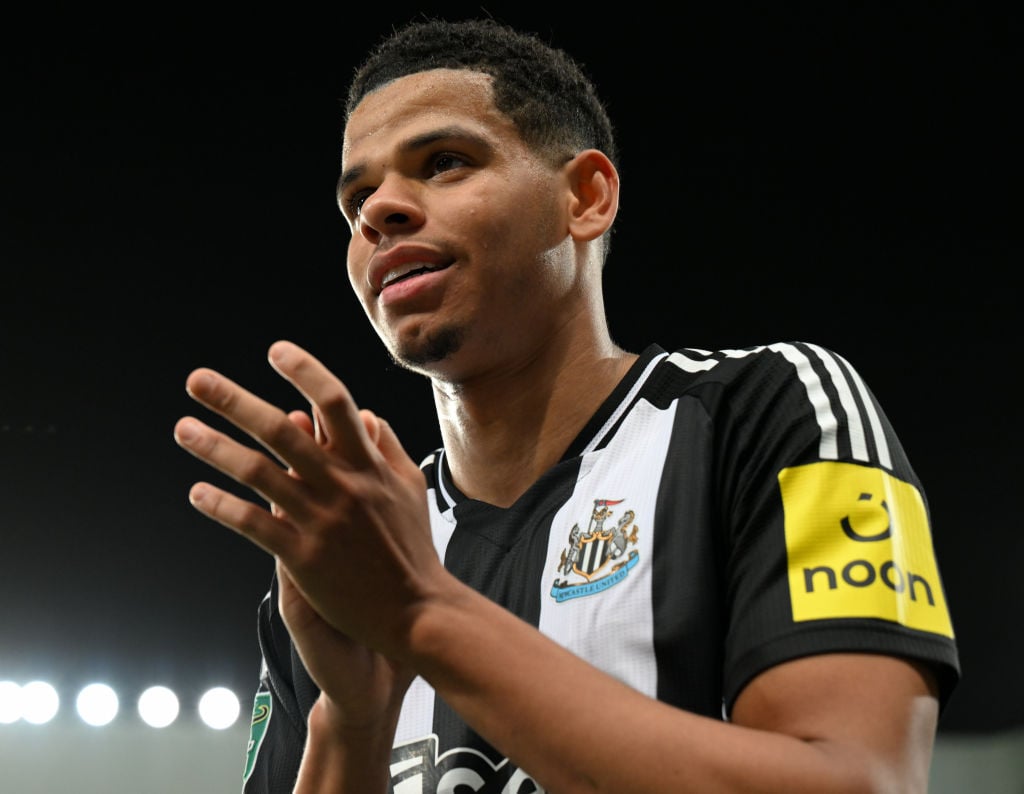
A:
{"x":403,"y":270}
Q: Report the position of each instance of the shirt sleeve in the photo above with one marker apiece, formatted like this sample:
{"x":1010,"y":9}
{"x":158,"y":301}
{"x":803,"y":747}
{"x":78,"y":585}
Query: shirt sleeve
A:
{"x":829,"y":534}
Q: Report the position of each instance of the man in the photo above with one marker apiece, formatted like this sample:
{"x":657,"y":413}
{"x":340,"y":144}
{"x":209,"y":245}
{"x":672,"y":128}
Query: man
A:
{"x":697,"y":571}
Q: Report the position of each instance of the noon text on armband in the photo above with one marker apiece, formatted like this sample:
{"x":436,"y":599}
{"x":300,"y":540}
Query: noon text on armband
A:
{"x":861,"y":573}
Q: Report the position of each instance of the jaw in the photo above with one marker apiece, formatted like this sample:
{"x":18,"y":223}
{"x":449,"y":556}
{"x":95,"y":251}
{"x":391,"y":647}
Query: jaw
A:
{"x":420,"y":342}
{"x":428,"y":354}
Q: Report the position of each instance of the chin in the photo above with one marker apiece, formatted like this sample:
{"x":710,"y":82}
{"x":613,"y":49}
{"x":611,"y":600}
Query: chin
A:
{"x":423,"y":355}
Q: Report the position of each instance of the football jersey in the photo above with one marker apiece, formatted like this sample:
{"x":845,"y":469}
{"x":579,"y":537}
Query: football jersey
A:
{"x":721,"y":513}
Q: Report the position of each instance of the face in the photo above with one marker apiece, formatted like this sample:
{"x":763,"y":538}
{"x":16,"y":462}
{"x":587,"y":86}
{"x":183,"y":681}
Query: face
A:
{"x":460,"y":251}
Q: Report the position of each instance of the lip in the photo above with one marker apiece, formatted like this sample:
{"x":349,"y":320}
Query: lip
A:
{"x":402,"y":257}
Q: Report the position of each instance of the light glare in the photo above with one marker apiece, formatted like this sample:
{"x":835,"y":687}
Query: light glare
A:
{"x":40,"y":702}
{"x":97,"y":704}
{"x":10,"y":702}
{"x":158,"y":706}
{"x":219,"y":708}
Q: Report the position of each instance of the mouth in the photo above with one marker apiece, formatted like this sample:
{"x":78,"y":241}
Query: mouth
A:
{"x":405,"y":262}
{"x":410,"y":270}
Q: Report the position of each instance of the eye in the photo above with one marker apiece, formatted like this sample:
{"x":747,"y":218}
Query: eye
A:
{"x":354,"y":203}
{"x":447,"y":161}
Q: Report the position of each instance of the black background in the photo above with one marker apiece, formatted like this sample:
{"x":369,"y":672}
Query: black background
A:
{"x":839,"y":176}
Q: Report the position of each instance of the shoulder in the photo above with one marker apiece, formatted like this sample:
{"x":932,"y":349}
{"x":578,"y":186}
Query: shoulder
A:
{"x":791,"y":391}
{"x":815,"y":372}
{"x":788,"y":358}
{"x":759,"y":369}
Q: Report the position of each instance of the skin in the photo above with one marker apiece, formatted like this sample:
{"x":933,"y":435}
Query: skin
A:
{"x":522,"y":285}
{"x":512,"y":334}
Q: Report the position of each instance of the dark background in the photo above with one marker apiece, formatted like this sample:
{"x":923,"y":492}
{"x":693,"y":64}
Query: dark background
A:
{"x":838,"y":176}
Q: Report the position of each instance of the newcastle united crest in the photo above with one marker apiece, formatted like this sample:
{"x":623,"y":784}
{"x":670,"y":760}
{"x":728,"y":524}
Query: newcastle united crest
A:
{"x":598,"y":557}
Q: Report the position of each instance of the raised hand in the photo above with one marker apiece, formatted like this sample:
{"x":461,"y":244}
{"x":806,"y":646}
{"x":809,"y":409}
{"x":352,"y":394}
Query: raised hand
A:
{"x":362,"y":689}
{"x":349,"y":522}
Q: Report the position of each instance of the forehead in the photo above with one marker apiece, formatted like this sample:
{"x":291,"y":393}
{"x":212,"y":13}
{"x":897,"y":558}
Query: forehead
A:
{"x":417,"y":102}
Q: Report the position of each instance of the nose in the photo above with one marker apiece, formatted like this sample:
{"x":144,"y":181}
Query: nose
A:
{"x":393,"y":206}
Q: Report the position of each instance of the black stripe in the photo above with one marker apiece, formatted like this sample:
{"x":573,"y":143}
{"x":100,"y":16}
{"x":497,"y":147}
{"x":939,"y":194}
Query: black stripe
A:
{"x":690,"y":607}
{"x":505,"y":559}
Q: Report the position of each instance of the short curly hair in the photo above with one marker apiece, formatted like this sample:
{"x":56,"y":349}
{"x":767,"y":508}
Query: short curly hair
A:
{"x":545,"y":93}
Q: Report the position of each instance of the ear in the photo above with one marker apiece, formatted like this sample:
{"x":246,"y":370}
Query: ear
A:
{"x":594,"y":194}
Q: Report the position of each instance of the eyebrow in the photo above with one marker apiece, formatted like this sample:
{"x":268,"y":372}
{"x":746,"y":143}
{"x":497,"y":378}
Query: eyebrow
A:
{"x":417,"y":142}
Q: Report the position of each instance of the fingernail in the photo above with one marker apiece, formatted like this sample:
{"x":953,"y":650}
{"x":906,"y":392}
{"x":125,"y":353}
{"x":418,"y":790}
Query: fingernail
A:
{"x":186,"y":432}
{"x":198,"y":492}
{"x":199,"y":382}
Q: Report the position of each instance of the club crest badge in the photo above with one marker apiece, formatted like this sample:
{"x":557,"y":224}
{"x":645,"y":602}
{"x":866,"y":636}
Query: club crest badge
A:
{"x":600,"y":556}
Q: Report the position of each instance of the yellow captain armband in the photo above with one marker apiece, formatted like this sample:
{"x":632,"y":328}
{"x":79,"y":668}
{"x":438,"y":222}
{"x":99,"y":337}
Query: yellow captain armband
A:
{"x":858,"y":545}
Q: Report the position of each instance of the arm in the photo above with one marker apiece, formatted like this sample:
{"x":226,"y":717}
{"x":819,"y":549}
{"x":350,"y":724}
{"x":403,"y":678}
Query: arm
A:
{"x":352,"y":534}
{"x":352,"y":724}
{"x":824,"y":723}
{"x":338,"y":761}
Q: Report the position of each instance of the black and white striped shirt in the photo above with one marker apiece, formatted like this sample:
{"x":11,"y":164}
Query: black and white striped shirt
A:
{"x":722,"y":512}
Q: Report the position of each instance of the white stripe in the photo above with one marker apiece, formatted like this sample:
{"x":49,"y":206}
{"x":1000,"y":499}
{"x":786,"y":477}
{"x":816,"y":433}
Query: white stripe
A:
{"x":416,"y":718}
{"x":828,"y":448}
{"x":687,"y":364}
{"x":614,"y":629}
{"x":858,"y":443}
{"x":742,"y":352}
{"x":623,"y":405}
{"x":876,"y":424}
{"x":449,"y":501}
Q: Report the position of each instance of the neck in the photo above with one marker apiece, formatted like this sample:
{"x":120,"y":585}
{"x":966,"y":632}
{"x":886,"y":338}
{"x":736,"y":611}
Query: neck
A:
{"x":502,"y":430}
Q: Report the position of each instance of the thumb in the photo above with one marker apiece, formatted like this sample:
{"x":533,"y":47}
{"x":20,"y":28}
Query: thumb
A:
{"x":295,"y":610}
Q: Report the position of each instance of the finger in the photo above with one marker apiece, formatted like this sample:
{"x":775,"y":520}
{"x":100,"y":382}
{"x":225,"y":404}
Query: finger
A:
{"x":371,"y":423}
{"x":299,"y":419}
{"x":269,"y":533}
{"x":303,"y":420}
{"x":265,"y":423}
{"x":319,"y":431}
{"x":393,"y":451}
{"x":244,"y":465}
{"x":333,"y":406}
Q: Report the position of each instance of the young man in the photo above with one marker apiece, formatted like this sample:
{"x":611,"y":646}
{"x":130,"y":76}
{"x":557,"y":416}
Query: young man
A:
{"x":665,"y":572}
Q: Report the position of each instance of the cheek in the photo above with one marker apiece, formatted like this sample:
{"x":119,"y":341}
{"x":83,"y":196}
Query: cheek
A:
{"x":518,"y":226}
{"x":354,"y":282}
{"x":487,"y":224}
{"x":356,"y":271}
